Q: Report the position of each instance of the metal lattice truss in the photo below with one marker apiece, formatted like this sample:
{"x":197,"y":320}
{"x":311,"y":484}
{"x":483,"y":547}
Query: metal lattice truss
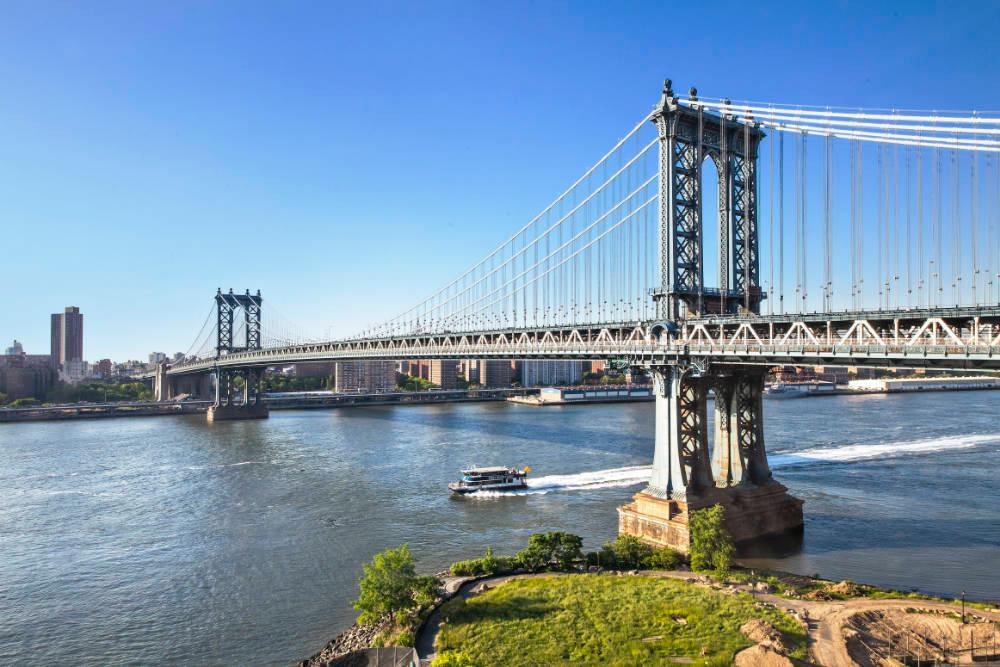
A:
{"x":957,"y":338}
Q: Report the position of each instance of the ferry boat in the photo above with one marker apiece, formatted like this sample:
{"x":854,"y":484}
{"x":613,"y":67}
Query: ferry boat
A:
{"x":496,"y":478}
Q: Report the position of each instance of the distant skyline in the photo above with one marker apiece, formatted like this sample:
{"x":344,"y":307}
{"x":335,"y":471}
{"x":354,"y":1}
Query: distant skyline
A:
{"x":348,"y":159}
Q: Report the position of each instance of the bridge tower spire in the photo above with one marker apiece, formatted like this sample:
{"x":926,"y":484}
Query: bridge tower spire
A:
{"x":688,"y":135}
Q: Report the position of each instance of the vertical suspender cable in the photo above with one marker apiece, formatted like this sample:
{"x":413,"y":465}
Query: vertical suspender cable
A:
{"x":805,"y":215}
{"x":938,"y":241}
{"x":770,"y":233}
{"x":828,"y":235}
{"x":861,"y":225}
{"x":854,"y":223}
{"x":879,"y":211}
{"x":781,"y":222}
{"x":956,"y":246}
{"x":909,"y":234}
{"x":974,"y":207}
{"x":895,"y":225}
{"x":920,"y":225}
{"x":798,"y":221}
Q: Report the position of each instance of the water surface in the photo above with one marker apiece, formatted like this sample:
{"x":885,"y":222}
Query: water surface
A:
{"x":171,"y":540}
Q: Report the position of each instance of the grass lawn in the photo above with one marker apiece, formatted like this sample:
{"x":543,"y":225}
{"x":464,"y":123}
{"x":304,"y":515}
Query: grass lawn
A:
{"x":590,"y":619}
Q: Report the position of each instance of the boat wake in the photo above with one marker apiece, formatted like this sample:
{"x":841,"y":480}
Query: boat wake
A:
{"x":598,"y":479}
{"x":849,"y":453}
{"x":635,"y":475}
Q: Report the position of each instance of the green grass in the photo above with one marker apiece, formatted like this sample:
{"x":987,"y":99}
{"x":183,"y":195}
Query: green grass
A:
{"x":602,"y":620}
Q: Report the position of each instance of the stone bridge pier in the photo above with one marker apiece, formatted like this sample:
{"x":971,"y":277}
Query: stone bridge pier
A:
{"x":691,"y":473}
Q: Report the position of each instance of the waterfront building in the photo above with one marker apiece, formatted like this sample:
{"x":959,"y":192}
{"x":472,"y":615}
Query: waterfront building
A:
{"x":74,"y":371}
{"x":103,"y":368}
{"x":67,"y":336}
{"x":495,"y":372}
{"x":26,"y":375}
{"x":364,"y":376}
{"x":550,"y":372}
{"x":157,"y":358}
{"x":444,"y":373}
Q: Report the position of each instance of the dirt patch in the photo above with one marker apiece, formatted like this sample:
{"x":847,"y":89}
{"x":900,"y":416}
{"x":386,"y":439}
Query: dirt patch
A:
{"x":761,"y":656}
{"x":762,"y":632}
{"x":911,"y":634}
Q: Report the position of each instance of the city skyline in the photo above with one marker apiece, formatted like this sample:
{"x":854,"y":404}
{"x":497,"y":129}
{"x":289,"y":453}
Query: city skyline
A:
{"x":132,"y":161}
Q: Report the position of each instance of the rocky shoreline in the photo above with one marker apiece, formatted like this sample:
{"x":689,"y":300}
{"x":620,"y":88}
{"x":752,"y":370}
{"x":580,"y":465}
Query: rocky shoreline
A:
{"x":355,"y":638}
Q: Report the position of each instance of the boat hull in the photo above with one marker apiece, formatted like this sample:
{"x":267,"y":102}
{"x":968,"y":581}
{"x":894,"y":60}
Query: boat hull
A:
{"x":465,"y":490}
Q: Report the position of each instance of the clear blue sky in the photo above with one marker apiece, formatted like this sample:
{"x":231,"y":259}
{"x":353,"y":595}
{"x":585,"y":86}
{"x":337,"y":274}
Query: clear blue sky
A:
{"x":347,"y":158}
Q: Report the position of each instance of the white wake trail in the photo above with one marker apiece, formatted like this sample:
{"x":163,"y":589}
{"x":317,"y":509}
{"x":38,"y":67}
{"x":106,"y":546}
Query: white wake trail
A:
{"x":635,"y":475}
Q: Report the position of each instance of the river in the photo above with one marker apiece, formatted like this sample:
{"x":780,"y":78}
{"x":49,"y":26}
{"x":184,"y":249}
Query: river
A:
{"x":171,"y":540}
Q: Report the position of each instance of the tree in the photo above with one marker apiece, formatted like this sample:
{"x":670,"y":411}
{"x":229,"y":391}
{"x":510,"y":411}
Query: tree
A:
{"x":629,"y":551}
{"x":3,"y":398}
{"x":711,"y":544}
{"x":390,"y":585}
{"x":558,"y":548}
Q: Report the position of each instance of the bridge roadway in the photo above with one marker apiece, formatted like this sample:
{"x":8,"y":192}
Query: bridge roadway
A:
{"x":960,"y":338}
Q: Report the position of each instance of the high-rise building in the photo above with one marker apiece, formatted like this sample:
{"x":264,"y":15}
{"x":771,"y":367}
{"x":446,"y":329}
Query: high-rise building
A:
{"x":364,"y":376}
{"x":550,"y":372}
{"x":15,"y":348}
{"x":157,"y":358}
{"x":444,"y":373}
{"x":67,"y":336}
{"x":495,"y":372}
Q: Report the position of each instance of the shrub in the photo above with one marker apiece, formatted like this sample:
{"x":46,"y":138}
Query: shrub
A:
{"x":630,"y":552}
{"x":711,"y":544}
{"x":488,"y":564}
{"x":662,"y":559}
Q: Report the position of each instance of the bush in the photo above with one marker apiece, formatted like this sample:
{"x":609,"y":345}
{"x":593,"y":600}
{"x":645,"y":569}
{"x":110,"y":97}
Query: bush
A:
{"x":24,"y":403}
{"x":711,"y":544}
{"x":488,"y":564}
{"x":662,"y":559}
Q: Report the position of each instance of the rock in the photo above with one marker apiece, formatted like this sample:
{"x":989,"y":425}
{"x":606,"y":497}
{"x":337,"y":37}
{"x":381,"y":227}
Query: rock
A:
{"x":846,"y":588}
{"x":763,"y":633}
{"x":763,"y":587}
{"x":761,"y":656}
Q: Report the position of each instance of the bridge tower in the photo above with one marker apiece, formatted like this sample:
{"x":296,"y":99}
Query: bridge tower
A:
{"x":687,"y":138}
{"x":690,"y":471}
{"x":228,"y":305}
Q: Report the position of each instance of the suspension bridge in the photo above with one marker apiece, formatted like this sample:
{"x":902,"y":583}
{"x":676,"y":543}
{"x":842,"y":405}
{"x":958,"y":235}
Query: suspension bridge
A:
{"x":715,"y":239}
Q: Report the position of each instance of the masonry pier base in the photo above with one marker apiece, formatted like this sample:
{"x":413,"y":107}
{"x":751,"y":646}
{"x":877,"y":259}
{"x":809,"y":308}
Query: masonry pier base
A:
{"x":688,"y":475}
{"x":751,"y":513}
{"x":218,"y":413}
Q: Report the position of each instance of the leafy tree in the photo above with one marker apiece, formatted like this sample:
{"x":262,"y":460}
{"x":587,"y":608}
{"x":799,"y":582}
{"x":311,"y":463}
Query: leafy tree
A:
{"x":3,"y":398}
{"x":629,"y":551}
{"x":552,"y":548}
{"x":711,"y":544}
{"x":390,"y":586}
{"x":412,"y":383}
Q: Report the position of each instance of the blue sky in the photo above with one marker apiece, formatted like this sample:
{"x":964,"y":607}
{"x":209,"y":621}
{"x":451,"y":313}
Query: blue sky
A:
{"x":346,"y":159}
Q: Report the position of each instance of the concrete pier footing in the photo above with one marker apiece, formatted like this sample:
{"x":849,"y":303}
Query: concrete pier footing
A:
{"x":233,"y":412}
{"x":752,"y":512}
